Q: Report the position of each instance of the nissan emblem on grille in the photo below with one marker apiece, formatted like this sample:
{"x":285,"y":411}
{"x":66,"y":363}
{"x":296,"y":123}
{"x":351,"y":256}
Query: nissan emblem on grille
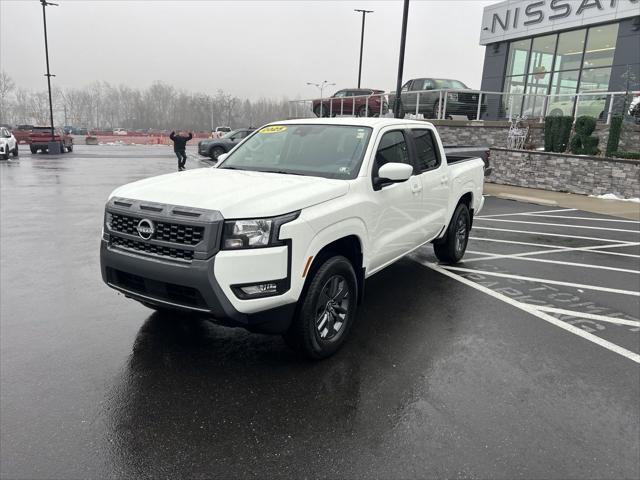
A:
{"x":146,"y":228}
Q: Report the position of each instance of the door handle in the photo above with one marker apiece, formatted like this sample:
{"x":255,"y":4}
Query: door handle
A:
{"x":415,"y":188}
{"x":443,"y":180}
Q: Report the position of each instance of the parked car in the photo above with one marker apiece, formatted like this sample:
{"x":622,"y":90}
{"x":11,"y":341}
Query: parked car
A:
{"x":41,"y":136}
{"x":8,"y":144}
{"x":214,"y":147}
{"x":281,"y":235}
{"x":587,"y":106}
{"x":22,"y":132}
{"x":360,"y":102}
{"x":79,"y":131}
{"x":119,"y":131}
{"x":427,"y":94}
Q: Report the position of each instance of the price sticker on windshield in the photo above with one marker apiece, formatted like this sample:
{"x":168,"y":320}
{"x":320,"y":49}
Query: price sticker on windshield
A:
{"x":273,"y":129}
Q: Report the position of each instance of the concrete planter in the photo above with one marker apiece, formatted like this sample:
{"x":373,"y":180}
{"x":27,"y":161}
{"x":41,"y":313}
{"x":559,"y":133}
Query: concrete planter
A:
{"x":565,"y":173}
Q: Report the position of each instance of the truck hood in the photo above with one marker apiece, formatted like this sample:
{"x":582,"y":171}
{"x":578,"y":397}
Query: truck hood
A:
{"x":235,"y":193}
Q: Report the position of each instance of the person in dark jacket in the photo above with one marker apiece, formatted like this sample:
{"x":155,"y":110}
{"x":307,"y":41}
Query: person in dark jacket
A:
{"x":180,"y":147}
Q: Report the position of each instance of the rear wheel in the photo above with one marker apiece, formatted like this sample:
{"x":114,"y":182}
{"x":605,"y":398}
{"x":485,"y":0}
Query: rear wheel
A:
{"x":70,"y":148}
{"x":33,"y":149}
{"x":452,"y":247}
{"x":326,"y":311}
{"x":318,"y":113}
{"x":216,"y":152}
{"x":15,"y":151}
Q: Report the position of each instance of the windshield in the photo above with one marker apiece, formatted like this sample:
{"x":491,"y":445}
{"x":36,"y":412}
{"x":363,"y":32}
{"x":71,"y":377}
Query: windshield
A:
{"x":329,"y":151}
{"x":450,"y":84}
{"x":230,"y":134}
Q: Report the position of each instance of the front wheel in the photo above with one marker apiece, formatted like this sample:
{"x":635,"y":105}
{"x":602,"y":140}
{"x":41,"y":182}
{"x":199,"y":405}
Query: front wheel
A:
{"x":33,"y":149}
{"x":451,"y":248}
{"x":216,"y":152}
{"x":70,"y":148}
{"x":15,"y":151}
{"x":326,"y":311}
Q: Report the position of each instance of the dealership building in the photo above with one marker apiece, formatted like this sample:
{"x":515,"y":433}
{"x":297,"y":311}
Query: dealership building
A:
{"x":560,"y":48}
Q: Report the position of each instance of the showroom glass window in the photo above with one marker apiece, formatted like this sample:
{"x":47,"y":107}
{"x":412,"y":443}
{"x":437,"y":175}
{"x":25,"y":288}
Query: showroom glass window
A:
{"x":560,"y":65}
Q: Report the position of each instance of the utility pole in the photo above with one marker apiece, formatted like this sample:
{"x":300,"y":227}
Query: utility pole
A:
{"x":403,"y":38}
{"x":46,"y":51}
{"x":364,"y":13}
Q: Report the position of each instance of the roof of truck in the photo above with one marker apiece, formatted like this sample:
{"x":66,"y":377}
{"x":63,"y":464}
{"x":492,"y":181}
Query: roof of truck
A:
{"x":352,"y":121}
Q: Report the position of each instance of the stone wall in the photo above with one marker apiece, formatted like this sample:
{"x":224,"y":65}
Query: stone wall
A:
{"x":494,"y":134}
{"x":565,"y":173}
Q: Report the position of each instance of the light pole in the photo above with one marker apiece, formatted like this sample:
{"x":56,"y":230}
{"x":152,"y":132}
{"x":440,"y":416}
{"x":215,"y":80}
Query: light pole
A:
{"x":403,"y":38}
{"x":46,"y":52}
{"x":364,"y":13}
{"x":321,"y":87}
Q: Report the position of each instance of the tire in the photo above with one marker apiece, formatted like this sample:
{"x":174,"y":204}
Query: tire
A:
{"x":364,"y":112}
{"x":556,"y":112}
{"x":15,"y":151}
{"x":434,"y":112}
{"x":215,"y":152}
{"x":33,"y":149}
{"x":62,"y":149}
{"x":325,"y":111}
{"x":452,"y":247}
{"x":321,"y":324}
{"x":70,"y":148}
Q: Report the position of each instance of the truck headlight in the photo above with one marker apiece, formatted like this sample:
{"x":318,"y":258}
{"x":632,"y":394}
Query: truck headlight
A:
{"x":254,"y":233}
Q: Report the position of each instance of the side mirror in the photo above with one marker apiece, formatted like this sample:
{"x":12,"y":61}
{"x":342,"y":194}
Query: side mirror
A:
{"x":222,"y":157}
{"x":393,"y":173}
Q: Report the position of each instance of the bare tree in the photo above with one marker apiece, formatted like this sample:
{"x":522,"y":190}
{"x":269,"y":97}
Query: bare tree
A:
{"x":6,"y":87}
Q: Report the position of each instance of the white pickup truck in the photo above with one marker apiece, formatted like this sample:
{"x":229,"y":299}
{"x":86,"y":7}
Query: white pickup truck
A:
{"x":281,"y":235}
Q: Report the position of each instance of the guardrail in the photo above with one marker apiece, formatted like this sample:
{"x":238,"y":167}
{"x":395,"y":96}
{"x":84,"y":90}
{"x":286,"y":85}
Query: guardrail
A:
{"x":472,"y":104}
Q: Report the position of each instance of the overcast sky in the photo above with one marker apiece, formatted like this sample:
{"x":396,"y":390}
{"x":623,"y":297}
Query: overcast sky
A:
{"x":247,"y":48}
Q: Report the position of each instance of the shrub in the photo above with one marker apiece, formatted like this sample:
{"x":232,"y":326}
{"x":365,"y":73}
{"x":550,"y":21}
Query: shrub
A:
{"x":614,"y":135}
{"x":582,"y":142}
{"x":630,"y":155}
{"x":556,"y":133}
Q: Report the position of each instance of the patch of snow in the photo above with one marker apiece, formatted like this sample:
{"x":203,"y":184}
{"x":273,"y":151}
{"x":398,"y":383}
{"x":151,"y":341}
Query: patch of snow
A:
{"x":612,"y":196}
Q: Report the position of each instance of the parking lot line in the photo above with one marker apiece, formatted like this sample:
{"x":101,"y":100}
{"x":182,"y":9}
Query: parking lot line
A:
{"x":592,"y":249}
{"x":560,"y":225}
{"x":537,"y":313}
{"x":544,"y":280}
{"x":544,"y":260}
{"x":588,"y":316}
{"x":600,"y":239}
{"x":498,"y":240}
{"x":581,"y":218}
{"x":527,"y":213}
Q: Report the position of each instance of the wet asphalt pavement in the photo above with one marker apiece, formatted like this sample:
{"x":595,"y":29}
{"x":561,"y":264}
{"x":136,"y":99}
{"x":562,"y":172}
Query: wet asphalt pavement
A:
{"x":438,"y":378}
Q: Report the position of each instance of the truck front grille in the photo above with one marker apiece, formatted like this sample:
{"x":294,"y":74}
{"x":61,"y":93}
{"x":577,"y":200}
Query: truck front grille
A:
{"x":168,"y":232}
{"x":151,"y":249}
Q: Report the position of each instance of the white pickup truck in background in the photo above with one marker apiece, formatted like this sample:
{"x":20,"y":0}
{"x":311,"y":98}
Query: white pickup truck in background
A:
{"x":281,"y":235}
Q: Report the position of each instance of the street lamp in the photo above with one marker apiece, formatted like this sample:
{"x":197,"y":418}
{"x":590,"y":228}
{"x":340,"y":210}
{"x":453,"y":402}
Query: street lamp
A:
{"x":321,"y":87}
{"x":403,"y":38}
{"x":364,"y":13}
{"x":48,"y":74}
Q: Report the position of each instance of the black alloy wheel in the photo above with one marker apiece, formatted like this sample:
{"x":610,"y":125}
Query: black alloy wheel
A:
{"x":451,"y":248}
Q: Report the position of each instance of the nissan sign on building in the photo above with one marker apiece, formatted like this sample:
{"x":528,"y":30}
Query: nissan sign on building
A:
{"x":560,"y":48}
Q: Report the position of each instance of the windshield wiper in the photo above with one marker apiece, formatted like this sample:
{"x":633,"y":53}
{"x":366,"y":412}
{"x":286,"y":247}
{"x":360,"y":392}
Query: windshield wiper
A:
{"x":284,"y":172}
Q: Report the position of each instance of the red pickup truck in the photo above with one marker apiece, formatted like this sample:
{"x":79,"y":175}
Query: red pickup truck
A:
{"x":22,"y":133}
{"x":360,"y":102}
{"x":41,"y":136}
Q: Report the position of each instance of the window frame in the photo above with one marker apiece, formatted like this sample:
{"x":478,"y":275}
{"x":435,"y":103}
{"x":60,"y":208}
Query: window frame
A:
{"x":414,"y":147}
{"x":410,"y":156}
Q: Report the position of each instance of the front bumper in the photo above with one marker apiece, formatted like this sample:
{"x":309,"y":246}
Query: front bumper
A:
{"x":180,"y":265}
{"x":189,"y":287}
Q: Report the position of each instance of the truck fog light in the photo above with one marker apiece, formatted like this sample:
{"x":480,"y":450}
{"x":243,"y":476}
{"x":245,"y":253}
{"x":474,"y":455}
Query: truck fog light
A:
{"x":258,"y":290}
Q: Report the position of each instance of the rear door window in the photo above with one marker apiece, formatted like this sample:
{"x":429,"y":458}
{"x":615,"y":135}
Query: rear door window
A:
{"x":427,"y":153}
